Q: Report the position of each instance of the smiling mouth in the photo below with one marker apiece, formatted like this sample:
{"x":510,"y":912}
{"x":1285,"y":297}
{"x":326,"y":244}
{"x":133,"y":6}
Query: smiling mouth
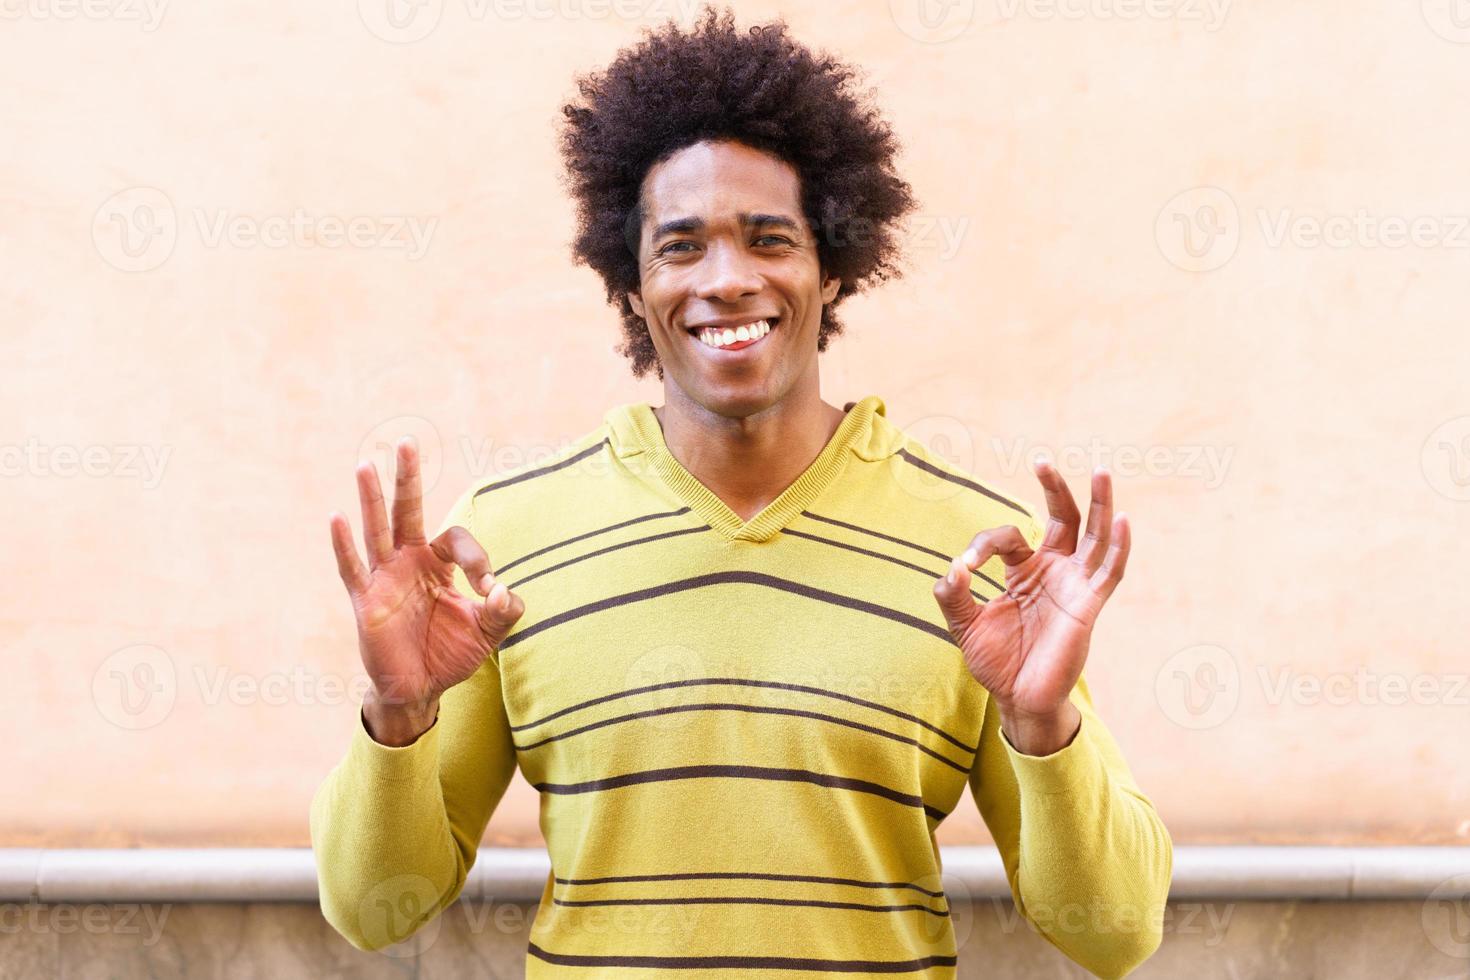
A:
{"x":734,"y":338}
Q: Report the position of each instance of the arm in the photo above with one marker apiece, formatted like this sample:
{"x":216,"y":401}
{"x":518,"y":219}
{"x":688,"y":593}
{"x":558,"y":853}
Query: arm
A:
{"x":395,"y":827}
{"x":1087,"y":857}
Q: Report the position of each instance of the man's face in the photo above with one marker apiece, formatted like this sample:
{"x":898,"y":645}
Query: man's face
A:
{"x":723,"y":245}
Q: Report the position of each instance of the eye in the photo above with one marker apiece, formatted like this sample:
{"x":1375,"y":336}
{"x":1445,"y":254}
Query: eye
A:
{"x":779,"y":239}
{"x":670,"y":246}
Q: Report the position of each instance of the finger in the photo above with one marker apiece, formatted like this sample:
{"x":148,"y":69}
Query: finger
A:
{"x":459,"y":546}
{"x":1107,"y":577}
{"x":349,"y":565}
{"x":1006,"y":541}
{"x":1063,"y":515}
{"x":952,"y":592}
{"x":1094,"y":543}
{"x":499,"y":612}
{"x":375,"y":532}
{"x":408,"y":497}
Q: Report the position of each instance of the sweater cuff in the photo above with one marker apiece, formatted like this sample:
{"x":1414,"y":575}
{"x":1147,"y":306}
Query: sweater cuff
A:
{"x":377,"y":761}
{"x":1069,"y":769}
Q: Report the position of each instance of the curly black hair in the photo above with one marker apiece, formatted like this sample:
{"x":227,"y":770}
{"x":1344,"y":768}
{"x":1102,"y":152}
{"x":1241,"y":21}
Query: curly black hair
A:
{"x":761,"y":88}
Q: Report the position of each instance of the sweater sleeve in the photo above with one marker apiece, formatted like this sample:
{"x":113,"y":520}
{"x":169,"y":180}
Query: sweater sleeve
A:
{"x":395,"y":830}
{"x":1088,"y":859}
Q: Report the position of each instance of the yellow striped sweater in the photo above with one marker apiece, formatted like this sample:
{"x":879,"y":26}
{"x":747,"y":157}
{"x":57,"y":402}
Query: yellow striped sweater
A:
{"x":743,"y":733}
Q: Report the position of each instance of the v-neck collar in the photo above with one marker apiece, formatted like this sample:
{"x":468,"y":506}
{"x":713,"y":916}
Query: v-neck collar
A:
{"x":635,"y":430}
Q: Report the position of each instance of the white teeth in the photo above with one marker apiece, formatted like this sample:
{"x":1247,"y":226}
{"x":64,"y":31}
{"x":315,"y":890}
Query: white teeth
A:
{"x":717,"y":337}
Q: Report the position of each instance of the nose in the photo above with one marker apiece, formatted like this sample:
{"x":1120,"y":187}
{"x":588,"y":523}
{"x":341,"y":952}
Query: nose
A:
{"x":727,"y":274}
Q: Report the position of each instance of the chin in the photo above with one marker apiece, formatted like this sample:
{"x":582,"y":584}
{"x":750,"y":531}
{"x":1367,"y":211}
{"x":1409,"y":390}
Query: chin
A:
{"x":733,"y":401}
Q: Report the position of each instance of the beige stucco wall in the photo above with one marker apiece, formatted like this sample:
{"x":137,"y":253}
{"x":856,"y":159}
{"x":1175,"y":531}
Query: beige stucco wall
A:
{"x":1288,"y":417}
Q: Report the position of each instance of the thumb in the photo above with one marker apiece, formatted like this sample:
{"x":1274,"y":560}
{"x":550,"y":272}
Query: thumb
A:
{"x":499,"y":613}
{"x":952,"y":592}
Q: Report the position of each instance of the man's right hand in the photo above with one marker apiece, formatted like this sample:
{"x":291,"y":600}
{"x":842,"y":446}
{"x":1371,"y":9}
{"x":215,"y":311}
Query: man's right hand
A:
{"x":418,"y":634}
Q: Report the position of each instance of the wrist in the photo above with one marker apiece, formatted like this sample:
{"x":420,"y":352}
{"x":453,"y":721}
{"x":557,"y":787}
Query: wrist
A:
{"x":1041,"y":734}
{"x":398,"y":723}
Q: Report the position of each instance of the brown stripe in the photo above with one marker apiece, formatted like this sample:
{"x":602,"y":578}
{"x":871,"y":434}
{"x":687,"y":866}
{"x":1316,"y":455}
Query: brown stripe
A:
{"x":752,"y":875}
{"x":754,"y":709}
{"x":888,"y":537}
{"x":602,"y":551}
{"x":743,"y":962}
{"x":543,"y":470}
{"x":741,"y":682}
{"x":740,"y":772}
{"x":730,"y":900}
{"x":719,"y":578}
{"x":590,"y":534}
{"x":877,"y":554}
{"x":928,"y":467}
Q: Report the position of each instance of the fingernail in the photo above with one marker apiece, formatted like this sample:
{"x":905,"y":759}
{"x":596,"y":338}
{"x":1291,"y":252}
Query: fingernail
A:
{"x":487,"y":582}
{"x":505,"y":601}
{"x":970,"y":557}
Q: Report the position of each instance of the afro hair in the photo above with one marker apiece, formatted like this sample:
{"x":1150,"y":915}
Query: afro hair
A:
{"x":759,"y":87}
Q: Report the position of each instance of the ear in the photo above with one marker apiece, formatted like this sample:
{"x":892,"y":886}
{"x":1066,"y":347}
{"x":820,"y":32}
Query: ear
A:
{"x":829,"y":288}
{"x":635,"y":300}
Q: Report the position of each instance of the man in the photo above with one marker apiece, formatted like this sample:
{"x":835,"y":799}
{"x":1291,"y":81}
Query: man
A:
{"x":707,"y":635}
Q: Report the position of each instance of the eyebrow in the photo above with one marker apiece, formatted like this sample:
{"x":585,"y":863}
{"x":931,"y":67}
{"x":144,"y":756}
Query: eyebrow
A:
{"x":689,"y":224}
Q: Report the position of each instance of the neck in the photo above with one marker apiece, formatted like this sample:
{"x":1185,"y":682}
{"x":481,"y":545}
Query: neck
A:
{"x":747,"y":461}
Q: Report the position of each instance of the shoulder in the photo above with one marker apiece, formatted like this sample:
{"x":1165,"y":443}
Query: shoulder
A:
{"x":934,"y":462}
{"x":539,"y":484}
